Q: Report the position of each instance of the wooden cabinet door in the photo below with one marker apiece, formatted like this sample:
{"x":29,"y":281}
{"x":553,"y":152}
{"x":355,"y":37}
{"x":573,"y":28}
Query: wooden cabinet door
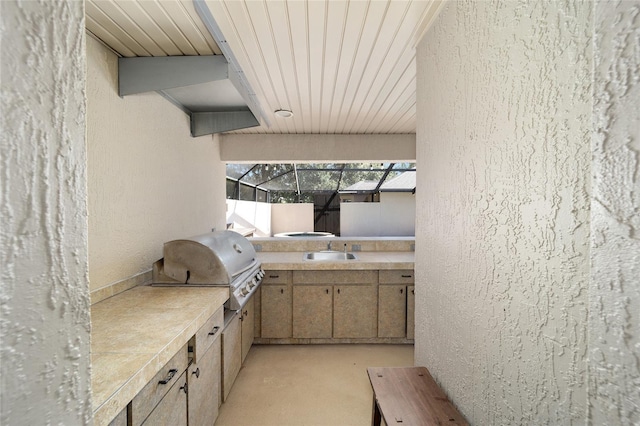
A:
{"x":172,"y":409}
{"x":354,"y":311}
{"x":231,"y":354}
{"x":248,"y":318}
{"x":276,"y":311}
{"x":120,"y":419}
{"x":411,"y":304}
{"x":392,"y":311}
{"x":312,"y":308}
{"x":204,"y":387}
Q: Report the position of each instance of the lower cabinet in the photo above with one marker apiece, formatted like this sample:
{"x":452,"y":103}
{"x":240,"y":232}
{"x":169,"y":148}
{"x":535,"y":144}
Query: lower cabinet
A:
{"x":276,"y":305}
{"x":392,"y":311}
{"x":172,"y":409}
{"x":335,"y":304}
{"x":189,"y":389}
{"x":411,"y":305}
{"x":355,"y":311}
{"x":395,"y":305}
{"x":248,"y":327}
{"x":203,"y":378}
{"x":312,"y":311}
{"x":120,"y":419}
{"x":231,"y":353}
{"x":167,"y":388}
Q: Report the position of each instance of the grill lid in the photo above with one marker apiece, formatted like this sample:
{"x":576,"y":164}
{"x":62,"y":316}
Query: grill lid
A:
{"x":213,"y":258}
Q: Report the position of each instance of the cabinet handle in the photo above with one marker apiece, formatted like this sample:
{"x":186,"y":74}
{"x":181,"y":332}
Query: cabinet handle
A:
{"x":338,"y":291}
{"x":185,"y":388}
{"x":274,"y":276}
{"x":197,"y":372}
{"x":170,"y":375}
{"x":413,"y":292}
{"x":214,"y":331}
{"x":406,"y":276}
{"x":281,"y":291}
{"x":326,"y":290}
{"x":401,"y":290}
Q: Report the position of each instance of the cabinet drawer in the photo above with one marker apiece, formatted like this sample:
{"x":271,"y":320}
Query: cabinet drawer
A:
{"x":397,"y":276}
{"x":172,"y":409}
{"x":276,"y":277}
{"x":209,"y":332}
{"x":335,"y":277}
{"x":152,"y":393}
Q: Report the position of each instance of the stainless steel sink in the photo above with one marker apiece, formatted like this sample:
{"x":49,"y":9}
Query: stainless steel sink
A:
{"x":329,"y":255}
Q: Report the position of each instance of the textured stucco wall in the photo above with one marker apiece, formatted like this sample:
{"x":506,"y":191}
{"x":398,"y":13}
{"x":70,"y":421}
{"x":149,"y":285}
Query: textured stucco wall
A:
{"x":502,"y":239}
{"x":149,"y":181}
{"x":44,"y":295}
{"x":614,"y":317}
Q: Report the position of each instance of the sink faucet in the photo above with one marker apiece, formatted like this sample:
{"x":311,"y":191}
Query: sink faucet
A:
{"x":329,"y":246}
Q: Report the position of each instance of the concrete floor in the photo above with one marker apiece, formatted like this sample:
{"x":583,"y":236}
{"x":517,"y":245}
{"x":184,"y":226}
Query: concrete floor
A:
{"x":305,"y":385}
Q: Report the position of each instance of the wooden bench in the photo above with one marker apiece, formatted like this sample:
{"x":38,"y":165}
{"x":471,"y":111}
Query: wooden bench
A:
{"x":409,"y":396}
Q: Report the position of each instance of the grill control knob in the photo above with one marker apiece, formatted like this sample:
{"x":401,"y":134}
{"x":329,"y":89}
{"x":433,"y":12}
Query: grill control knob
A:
{"x":244,"y":291}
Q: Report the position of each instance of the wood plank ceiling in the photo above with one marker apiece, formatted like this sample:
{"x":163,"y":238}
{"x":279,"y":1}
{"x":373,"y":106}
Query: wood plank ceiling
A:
{"x":342,"y":67}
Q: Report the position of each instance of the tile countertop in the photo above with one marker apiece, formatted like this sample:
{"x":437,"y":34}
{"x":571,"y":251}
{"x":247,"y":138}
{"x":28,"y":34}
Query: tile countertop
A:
{"x":134,"y":333}
{"x":366,"y":260}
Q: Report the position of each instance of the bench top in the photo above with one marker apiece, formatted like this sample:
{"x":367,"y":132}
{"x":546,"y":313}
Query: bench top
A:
{"x":410,"y":396}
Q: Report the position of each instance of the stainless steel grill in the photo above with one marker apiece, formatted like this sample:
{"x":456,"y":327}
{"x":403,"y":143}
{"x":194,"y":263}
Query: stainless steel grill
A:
{"x":223,"y":258}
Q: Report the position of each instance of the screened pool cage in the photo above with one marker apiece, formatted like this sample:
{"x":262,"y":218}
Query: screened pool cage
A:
{"x":301,"y":183}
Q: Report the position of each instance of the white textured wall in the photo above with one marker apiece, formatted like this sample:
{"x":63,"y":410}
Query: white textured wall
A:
{"x":296,"y":217}
{"x":614,"y":320}
{"x":397,"y":214}
{"x":250,"y":214}
{"x":149,"y":180}
{"x":44,"y":295}
{"x":502,"y":237}
{"x":393,"y":216}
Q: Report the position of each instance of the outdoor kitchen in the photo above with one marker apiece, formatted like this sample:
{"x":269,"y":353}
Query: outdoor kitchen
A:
{"x":476,"y":241}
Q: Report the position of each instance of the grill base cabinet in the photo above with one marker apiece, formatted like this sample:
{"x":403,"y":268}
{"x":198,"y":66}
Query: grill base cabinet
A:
{"x":247,"y":330}
{"x":237,"y":338}
{"x":203,"y":378}
{"x":231,"y":353}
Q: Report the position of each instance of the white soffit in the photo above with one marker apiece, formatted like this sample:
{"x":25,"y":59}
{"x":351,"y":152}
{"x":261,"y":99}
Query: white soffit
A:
{"x":342,"y":67}
{"x":149,"y":27}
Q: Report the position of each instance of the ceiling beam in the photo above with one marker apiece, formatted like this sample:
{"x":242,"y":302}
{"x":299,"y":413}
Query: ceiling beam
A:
{"x":237,"y":75}
{"x":150,"y":74}
{"x":206,"y":123}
